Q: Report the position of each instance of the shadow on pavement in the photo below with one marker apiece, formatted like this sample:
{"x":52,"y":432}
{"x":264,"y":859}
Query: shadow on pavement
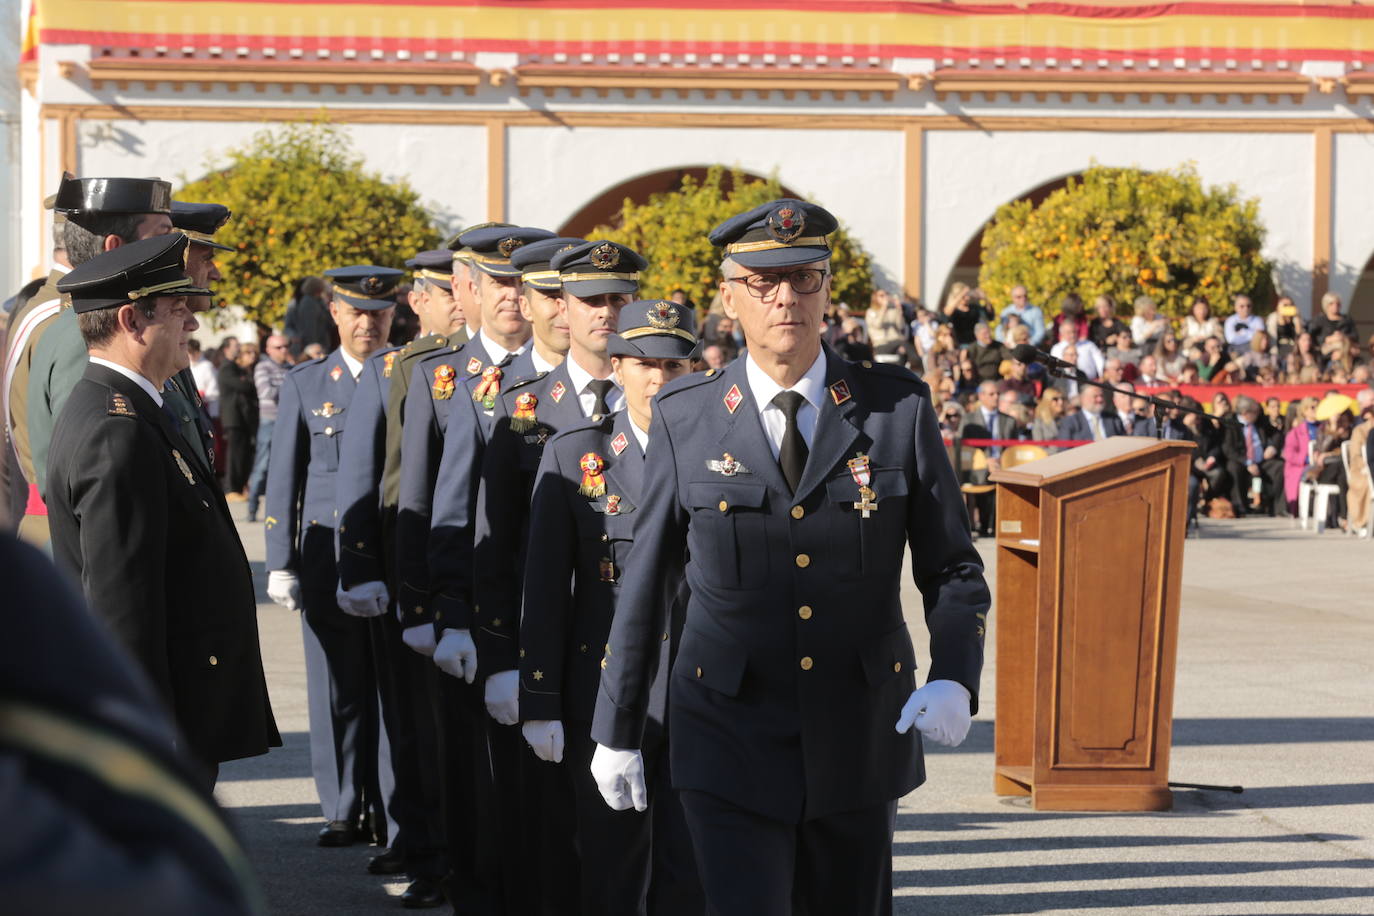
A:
{"x":1111,"y":871}
{"x":1104,"y":899}
{"x":1089,"y":843}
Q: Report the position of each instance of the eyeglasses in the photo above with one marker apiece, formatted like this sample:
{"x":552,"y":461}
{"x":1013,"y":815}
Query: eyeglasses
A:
{"x":804,"y":281}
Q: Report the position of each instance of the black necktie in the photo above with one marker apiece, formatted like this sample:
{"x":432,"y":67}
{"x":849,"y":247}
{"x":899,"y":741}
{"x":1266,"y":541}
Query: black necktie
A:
{"x":792,"y":454}
{"x":600,"y":387}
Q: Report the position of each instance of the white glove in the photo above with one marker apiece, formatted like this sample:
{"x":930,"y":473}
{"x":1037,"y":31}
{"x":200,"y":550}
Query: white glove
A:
{"x":366,"y":600}
{"x":284,"y":588}
{"x":420,"y":638}
{"x":503,"y":696}
{"x":620,"y":777}
{"x":940,"y":711}
{"x":545,"y":738}
{"x":456,"y":655}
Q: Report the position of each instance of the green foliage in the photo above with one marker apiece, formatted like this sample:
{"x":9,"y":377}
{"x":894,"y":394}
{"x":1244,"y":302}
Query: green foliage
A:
{"x":1126,"y":232}
{"x":303,"y":203}
{"x":670,"y":230}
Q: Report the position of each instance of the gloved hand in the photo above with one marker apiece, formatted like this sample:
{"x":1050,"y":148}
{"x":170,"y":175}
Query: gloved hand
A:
{"x":940,"y":710}
{"x":545,"y":738}
{"x":420,"y":638}
{"x":456,"y":654}
{"x":284,"y":588}
{"x":367,"y":599}
{"x":620,"y":777}
{"x":503,"y":696}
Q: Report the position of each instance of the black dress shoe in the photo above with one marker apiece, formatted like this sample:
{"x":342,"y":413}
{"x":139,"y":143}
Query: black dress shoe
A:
{"x":390,"y":862}
{"x":422,"y":894}
{"x":338,"y":833}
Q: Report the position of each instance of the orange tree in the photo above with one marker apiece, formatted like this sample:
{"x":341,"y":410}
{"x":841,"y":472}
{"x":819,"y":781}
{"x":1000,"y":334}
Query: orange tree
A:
{"x":302,"y":203}
{"x":670,"y":230}
{"x":1124,"y":232}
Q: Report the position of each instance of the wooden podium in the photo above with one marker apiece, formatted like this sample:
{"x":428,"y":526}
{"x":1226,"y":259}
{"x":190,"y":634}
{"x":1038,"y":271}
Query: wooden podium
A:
{"x":1089,"y":561}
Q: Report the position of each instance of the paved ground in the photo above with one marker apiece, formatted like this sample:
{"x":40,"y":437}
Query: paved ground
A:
{"x":1275,"y":692}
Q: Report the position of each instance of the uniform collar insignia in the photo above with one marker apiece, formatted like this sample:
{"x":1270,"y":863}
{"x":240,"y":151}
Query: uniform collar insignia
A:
{"x":336,"y":372}
{"x":733,"y":398}
{"x":557,"y":392}
{"x":839,"y":392}
{"x":620,"y":443}
{"x":474,"y":366}
{"x":727,"y":466}
{"x":185,"y":469}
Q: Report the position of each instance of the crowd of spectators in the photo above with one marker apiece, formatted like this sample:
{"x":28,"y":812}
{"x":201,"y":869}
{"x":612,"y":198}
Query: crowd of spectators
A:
{"x":1252,"y":458}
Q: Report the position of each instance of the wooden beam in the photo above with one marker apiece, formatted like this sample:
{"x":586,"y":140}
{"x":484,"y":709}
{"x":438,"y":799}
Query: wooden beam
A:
{"x":496,"y":170}
{"x":1321,"y":215}
{"x":311,"y":74}
{"x":913,"y":214}
{"x":68,"y":150}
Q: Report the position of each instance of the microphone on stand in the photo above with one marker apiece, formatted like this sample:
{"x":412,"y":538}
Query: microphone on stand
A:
{"x":1025,"y":353}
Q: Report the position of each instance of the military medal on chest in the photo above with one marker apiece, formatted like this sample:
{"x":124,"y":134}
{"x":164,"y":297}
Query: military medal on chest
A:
{"x":593,"y":483}
{"x":183,"y":466}
{"x":613,"y":504}
{"x":443,"y":382}
{"x":389,"y":363}
{"x":489,"y":387}
{"x":523,"y":420}
{"x":863,"y":475}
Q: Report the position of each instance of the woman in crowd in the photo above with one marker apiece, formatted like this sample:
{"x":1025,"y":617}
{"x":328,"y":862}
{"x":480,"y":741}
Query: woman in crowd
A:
{"x":1326,"y":465}
{"x":1259,"y":356}
{"x":1357,"y":492}
{"x":943,"y":357}
{"x":1303,"y":356}
{"x":1147,"y":326}
{"x":1048,"y":413}
{"x":923,"y":332}
{"x":1169,"y":357}
{"x":1284,"y":325}
{"x":1297,"y":449}
{"x":963,"y":311}
{"x":966,"y":376}
{"x":238,"y":413}
{"x":1200,"y":324}
{"x":951,"y":417}
{"x":1338,"y":353}
{"x":887,"y":329}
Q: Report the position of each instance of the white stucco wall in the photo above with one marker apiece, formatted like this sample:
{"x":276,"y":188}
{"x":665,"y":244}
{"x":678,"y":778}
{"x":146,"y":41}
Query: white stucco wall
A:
{"x":1352,"y":216}
{"x":12,"y":274}
{"x":968,"y":174}
{"x":553,"y":172}
{"x":445,"y":163}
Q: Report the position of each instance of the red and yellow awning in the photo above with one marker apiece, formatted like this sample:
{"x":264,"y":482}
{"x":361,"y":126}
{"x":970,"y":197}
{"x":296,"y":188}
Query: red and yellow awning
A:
{"x":1192,"y":31}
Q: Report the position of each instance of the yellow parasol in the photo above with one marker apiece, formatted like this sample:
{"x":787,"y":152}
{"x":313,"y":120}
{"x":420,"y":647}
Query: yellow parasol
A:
{"x":1334,"y":404}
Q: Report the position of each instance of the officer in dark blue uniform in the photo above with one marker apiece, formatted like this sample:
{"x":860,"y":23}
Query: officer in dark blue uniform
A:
{"x":582,"y":518}
{"x":786,"y":488}
{"x":347,"y":743}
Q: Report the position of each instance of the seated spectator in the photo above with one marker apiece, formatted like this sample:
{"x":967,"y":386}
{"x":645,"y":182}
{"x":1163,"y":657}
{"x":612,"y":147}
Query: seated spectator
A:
{"x":951,"y":417}
{"x":714,"y":357}
{"x":1189,"y":375}
{"x":1303,"y":355}
{"x":1092,"y":422}
{"x":1105,"y":324}
{"x":1148,"y":373}
{"x":1018,"y":381}
{"x":1028,"y":314}
{"x":1069,"y":386}
{"x":1338,"y":353}
{"x":985,"y":421}
{"x":1221,"y":405}
{"x":1129,"y":410}
{"x":923,"y":331}
{"x":1009,"y":403}
{"x":1251,"y":450}
{"x":1121,"y":346}
{"x":1005,"y":326}
{"x":1087,"y":357}
{"x":1297,"y":449}
{"x":944,"y":355}
{"x":1327,"y":467}
{"x":1070,"y":313}
{"x":1147,"y":325}
{"x":853,"y":345}
{"x":887,"y":328}
{"x":1113,"y":373}
{"x":966,"y":378}
{"x":1284,"y":324}
{"x":1169,"y":357}
{"x":1210,"y":479}
{"x":1273,"y":412}
{"x":1200,"y":324}
{"x":987,"y":353}
{"x":1048,"y":413}
{"x":1330,"y":320}
{"x":1258,"y":354}
{"x":963,"y":312}
{"x":1214,"y":365}
{"x":943,"y":389}
{"x":1243,"y":324}
{"x":1267,"y":375}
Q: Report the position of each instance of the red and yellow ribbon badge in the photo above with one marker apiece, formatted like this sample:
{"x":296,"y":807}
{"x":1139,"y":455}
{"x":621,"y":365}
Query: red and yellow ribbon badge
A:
{"x":523,"y":419}
{"x":593,"y":484}
{"x":443,"y":382}
{"x":489,"y":387}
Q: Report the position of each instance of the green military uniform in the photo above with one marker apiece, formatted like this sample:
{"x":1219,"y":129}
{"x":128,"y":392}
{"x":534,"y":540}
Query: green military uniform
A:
{"x":395,"y":407}
{"x":26,"y":328}
{"x":59,"y":360}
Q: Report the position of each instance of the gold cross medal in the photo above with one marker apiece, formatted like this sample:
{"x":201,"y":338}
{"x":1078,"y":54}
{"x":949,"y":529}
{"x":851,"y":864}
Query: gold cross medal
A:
{"x":863,"y":476}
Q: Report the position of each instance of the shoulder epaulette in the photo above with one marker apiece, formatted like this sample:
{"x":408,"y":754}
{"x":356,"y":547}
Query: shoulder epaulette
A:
{"x":529,"y":380}
{"x":306,"y":365}
{"x":891,"y":370}
{"x":119,"y":406}
{"x":688,"y":382}
{"x":590,"y":425}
